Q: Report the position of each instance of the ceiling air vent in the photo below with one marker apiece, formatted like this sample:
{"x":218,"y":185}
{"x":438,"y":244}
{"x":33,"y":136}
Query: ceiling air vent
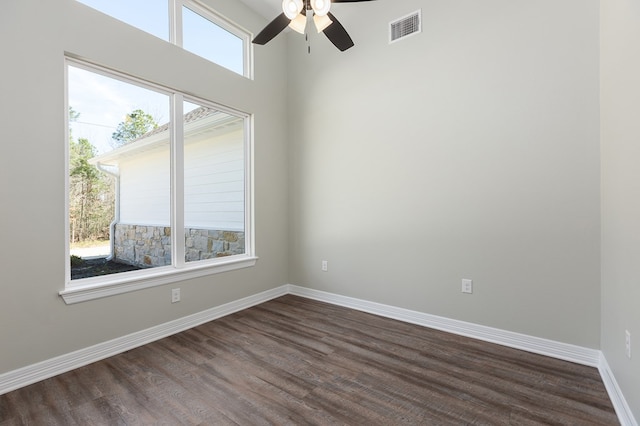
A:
{"x":405,"y":26}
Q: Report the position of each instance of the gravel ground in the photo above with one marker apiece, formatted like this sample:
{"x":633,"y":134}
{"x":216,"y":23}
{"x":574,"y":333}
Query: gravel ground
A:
{"x":94,"y":262}
{"x":98,"y":266}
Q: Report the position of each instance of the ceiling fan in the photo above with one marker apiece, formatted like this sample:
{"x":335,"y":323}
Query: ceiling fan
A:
{"x":294,"y":15}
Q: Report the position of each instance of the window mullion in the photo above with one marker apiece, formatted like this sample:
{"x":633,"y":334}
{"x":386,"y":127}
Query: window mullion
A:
{"x":177,"y":181}
{"x":175,"y":19}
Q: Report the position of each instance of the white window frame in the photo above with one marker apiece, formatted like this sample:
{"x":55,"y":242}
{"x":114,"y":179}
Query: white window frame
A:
{"x":176,"y":32}
{"x":84,"y":289}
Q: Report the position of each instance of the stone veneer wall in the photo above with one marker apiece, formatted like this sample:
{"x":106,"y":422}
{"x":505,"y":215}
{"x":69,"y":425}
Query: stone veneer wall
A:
{"x":150,"y":246}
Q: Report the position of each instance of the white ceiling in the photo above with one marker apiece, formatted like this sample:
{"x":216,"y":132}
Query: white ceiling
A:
{"x":267,"y":8}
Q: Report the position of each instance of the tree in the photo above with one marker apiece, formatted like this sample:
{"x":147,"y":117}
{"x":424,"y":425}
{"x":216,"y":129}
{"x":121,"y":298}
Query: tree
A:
{"x":73,"y":115}
{"x":136,"y":124}
{"x":91,"y":192}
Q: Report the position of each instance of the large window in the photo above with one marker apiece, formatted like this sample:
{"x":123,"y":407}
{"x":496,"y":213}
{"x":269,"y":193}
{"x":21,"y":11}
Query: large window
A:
{"x":159,"y":182}
{"x":196,"y":28}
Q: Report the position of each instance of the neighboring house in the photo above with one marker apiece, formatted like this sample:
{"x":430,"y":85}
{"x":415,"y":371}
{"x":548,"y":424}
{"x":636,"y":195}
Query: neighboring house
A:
{"x":214,"y":191}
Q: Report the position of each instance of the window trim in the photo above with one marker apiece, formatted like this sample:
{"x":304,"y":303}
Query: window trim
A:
{"x":219,"y":20}
{"x":91,"y":290}
{"x":108,"y":285}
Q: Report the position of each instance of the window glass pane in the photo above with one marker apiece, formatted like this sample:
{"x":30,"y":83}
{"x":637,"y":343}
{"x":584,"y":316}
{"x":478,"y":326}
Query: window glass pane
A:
{"x":119,"y":175}
{"x":212,"y":42}
{"x":214,"y":173}
{"x":151,"y":16}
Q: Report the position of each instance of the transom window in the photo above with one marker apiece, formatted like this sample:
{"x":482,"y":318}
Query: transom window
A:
{"x":158,"y":181}
{"x":196,"y":28}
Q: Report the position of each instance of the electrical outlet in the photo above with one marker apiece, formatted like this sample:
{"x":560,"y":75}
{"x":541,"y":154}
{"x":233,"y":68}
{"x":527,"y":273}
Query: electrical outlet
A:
{"x":467,"y":286}
{"x":325,"y":265}
{"x":627,"y":343}
{"x":175,"y":295}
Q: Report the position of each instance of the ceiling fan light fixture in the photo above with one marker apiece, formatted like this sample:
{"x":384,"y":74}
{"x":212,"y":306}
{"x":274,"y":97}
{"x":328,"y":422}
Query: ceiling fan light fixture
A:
{"x":296,"y":14}
{"x":292,"y":8}
{"x":321,"y":22}
{"x":321,"y":7}
{"x":299,"y":23}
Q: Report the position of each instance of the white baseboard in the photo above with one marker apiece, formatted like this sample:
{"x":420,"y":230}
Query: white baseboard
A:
{"x":564,"y":351}
{"x":617,"y":398}
{"x":16,"y":379}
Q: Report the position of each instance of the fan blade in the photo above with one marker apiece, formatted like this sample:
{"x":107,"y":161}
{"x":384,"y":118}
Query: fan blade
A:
{"x":274,"y":28}
{"x":337,"y":34}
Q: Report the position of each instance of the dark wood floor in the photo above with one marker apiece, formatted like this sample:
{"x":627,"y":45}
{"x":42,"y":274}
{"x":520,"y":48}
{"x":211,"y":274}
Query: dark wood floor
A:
{"x":297,"y":361}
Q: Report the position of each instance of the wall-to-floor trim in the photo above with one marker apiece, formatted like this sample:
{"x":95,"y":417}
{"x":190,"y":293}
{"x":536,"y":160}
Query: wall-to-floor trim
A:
{"x":34,"y":373}
{"x":564,"y":351}
{"x":15,"y":379}
{"x":615,"y":393}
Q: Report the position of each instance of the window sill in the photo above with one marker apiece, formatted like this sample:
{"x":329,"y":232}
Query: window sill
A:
{"x":98,"y":287}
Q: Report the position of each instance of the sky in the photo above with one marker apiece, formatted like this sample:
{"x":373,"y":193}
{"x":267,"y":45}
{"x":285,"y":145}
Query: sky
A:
{"x":151,"y":16}
{"x":103,"y":102}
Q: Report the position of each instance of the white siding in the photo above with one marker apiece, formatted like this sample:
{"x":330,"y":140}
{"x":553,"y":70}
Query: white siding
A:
{"x":145,"y":182}
{"x":214,"y":183}
{"x":214,"y":180}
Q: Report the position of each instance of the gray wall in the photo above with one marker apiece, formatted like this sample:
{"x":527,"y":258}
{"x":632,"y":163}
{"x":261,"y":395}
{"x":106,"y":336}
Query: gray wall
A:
{"x":35,"y":324}
{"x":468,"y":151}
{"x":621,"y":192}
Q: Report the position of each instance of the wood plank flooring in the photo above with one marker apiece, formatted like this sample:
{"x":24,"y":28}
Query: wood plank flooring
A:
{"x":298,"y":361}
